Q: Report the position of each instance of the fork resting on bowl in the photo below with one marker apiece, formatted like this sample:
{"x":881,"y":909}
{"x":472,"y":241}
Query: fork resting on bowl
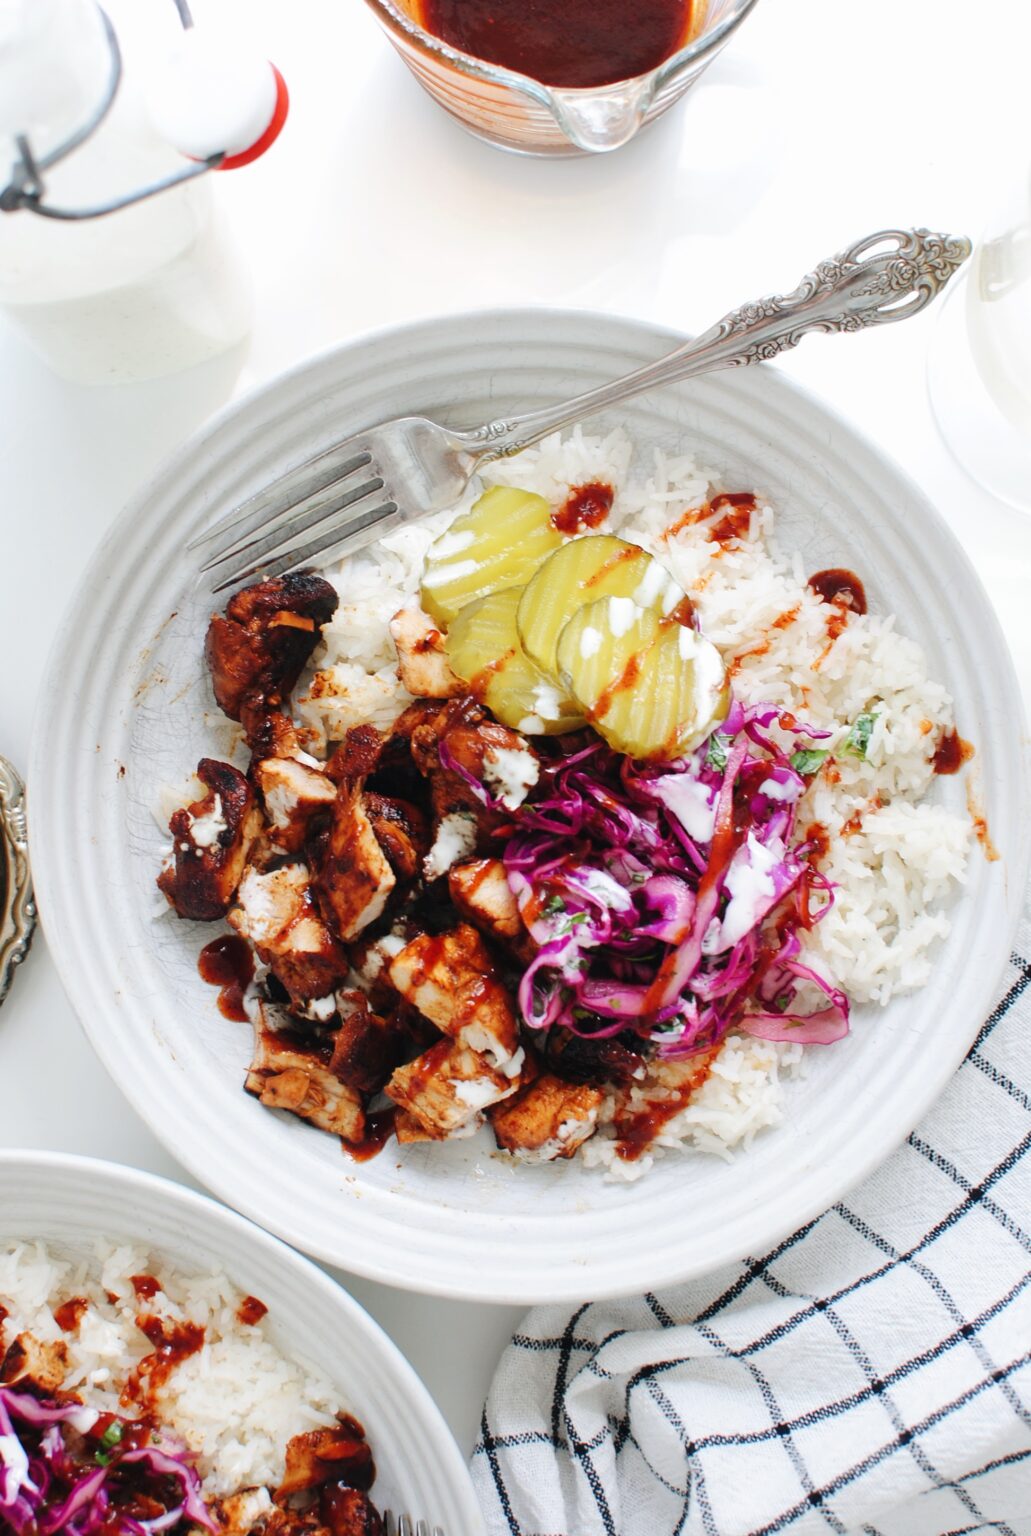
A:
{"x":355,"y":491}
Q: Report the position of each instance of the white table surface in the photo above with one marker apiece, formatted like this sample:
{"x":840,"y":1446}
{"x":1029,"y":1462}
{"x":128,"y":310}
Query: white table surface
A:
{"x":820,"y":122}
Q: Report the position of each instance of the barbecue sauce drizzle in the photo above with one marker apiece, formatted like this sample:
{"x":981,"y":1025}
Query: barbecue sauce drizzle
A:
{"x":227,"y":963}
{"x":840,"y":586}
{"x":378,"y":1130}
{"x":951,"y":752}
{"x":585,"y":507}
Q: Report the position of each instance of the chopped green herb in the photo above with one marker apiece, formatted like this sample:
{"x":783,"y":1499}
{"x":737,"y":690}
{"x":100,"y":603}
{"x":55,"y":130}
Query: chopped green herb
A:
{"x":102,"y":1459}
{"x":111,"y":1436}
{"x":859,"y":736}
{"x":553,"y":906}
{"x":716,"y":757}
{"x":572,"y":921}
{"x":807,"y":760}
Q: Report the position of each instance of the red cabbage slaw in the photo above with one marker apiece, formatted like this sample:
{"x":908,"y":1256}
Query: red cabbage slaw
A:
{"x":44,"y":1489}
{"x":669,"y":899}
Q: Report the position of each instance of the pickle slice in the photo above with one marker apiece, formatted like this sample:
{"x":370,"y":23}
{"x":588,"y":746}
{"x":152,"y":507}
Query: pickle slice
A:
{"x":498,"y":543}
{"x":652,"y":687}
{"x":484,"y":650}
{"x":583,"y":572}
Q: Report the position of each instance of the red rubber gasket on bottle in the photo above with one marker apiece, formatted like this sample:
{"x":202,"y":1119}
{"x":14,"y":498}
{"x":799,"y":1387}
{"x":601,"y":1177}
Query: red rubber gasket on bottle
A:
{"x":272,"y":132}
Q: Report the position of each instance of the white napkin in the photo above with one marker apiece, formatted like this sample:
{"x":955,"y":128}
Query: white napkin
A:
{"x":871,"y":1374}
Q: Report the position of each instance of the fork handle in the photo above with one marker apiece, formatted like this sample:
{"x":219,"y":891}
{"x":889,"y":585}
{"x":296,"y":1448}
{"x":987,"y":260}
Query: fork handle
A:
{"x":886,"y":276}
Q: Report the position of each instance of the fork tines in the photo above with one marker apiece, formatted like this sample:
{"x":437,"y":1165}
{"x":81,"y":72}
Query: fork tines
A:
{"x":337,"y":497}
{"x":403,"y":1526}
{"x":262,"y":534}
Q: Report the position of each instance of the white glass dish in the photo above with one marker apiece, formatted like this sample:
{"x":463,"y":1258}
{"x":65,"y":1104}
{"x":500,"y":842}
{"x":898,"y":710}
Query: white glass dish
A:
{"x":126,"y":707}
{"x":979,"y":362}
{"x":72,"y":1202}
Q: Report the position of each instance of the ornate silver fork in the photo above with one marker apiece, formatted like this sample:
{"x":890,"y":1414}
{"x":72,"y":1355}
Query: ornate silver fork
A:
{"x":402,"y":1525}
{"x":360,"y":489}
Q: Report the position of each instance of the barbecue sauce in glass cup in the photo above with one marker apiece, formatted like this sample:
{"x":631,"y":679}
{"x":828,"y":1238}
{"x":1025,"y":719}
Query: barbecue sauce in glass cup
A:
{"x":572,"y":43}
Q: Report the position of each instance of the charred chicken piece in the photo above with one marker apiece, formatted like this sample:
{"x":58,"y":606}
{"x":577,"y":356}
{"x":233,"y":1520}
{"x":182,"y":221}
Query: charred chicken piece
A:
{"x":29,"y":1362}
{"x":547,"y":1120}
{"x":401,"y":832}
{"x":422,"y":656}
{"x":409,"y":1131}
{"x":476,"y":745}
{"x":293,"y":796}
{"x":239,"y":1513}
{"x":358,"y":754}
{"x":292,"y":1522}
{"x":353,"y":878}
{"x":578,"y":1059}
{"x":423,"y":713}
{"x":461,"y":733}
{"x":269,"y":732}
{"x":469,"y":736}
{"x":391,"y":768}
{"x":448,"y":1087}
{"x":481,"y":892}
{"x":210,"y":842}
{"x":346,"y":1511}
{"x":276,"y":913}
{"x":425,"y":724}
{"x":287,"y":1073}
{"x":335,"y":1454}
{"x":367,"y":1047}
{"x":259,"y":649}
{"x":450,"y":978}
{"x":369,"y":959}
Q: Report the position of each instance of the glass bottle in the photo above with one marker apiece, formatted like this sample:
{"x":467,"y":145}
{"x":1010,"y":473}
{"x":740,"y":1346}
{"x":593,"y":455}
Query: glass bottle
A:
{"x":146,"y":290}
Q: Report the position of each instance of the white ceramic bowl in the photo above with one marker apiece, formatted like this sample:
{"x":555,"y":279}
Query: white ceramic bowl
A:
{"x":70,"y":1202}
{"x":126,"y":706}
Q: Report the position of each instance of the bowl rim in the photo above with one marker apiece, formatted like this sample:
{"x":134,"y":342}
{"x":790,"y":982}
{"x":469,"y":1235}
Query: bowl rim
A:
{"x":157,"y":1189}
{"x":571,"y":1286}
{"x":702,"y":47}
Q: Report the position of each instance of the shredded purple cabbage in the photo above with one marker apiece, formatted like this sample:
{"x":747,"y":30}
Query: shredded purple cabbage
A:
{"x":668,"y":898}
{"x":45,"y":1490}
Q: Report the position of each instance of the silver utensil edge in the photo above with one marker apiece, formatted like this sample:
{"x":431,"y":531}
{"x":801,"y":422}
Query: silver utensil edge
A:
{"x":17,"y":907}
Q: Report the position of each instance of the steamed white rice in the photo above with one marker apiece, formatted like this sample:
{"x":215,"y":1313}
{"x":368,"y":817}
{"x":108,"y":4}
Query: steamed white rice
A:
{"x":235,"y":1403}
{"x":893,"y":871}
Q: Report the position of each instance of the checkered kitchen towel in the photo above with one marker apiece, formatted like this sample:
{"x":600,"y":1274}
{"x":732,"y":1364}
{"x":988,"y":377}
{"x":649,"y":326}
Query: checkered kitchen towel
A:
{"x":871,"y":1374}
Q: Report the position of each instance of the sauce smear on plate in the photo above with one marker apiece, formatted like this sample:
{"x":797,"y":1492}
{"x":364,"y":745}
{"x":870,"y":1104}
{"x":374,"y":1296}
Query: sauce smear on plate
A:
{"x":227,"y":962}
{"x":840,"y":586}
{"x":378,"y":1130}
{"x":563,"y":42}
{"x":951,"y":752}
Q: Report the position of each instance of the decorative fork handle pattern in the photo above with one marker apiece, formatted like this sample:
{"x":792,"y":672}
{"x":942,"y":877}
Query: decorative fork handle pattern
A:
{"x":17,"y":909}
{"x":887,"y":276}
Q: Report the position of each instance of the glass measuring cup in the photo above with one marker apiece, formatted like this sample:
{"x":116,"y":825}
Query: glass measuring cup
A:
{"x":979,"y":364}
{"x":522,"y":114}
